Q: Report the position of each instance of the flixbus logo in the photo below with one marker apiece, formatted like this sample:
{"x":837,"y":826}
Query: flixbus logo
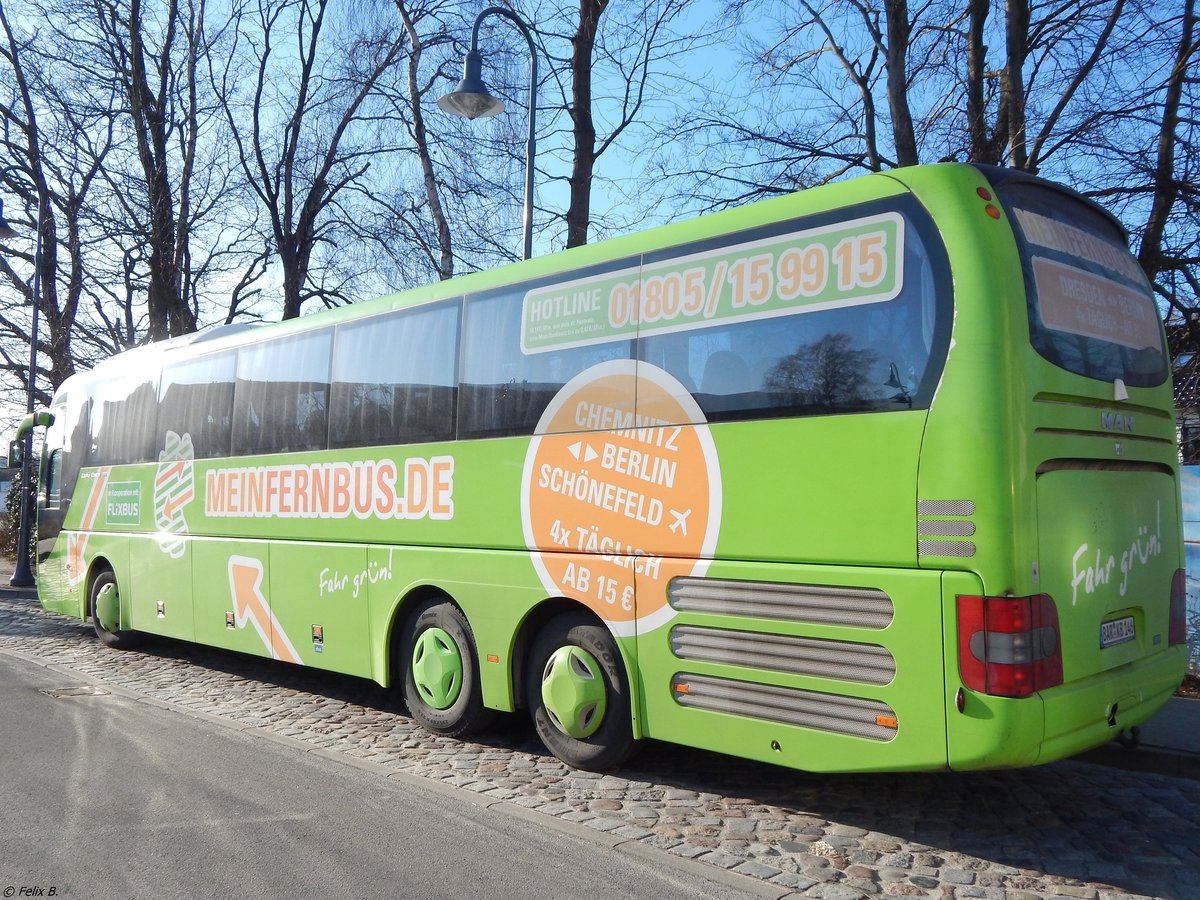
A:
{"x":1116,"y":422}
{"x":123,"y":503}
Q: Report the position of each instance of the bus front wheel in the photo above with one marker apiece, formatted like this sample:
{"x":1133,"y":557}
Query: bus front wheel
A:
{"x":104,"y":603}
{"x":579,"y":695}
{"x":441,"y":672}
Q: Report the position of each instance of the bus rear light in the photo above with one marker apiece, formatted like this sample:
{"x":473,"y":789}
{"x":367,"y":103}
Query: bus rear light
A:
{"x":1177,"y":624}
{"x":1008,"y":646}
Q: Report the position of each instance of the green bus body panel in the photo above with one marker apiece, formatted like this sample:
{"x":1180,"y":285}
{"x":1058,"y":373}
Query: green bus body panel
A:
{"x":54,"y":591}
{"x":968,"y":446}
{"x":1016,"y":448}
{"x":1102,"y":541}
{"x":160,"y":578}
{"x":1077,"y":713}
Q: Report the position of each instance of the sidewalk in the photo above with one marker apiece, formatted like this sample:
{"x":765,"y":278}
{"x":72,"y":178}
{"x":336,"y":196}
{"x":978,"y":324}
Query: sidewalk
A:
{"x":1168,"y":744}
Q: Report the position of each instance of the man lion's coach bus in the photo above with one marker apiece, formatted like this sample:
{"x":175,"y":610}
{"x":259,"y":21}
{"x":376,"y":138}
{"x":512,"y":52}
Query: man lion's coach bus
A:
{"x":877,"y":476}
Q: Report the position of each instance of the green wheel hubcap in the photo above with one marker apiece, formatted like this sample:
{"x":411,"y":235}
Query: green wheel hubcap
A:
{"x":108,"y":607}
{"x":437,"y":668}
{"x":573,"y":692}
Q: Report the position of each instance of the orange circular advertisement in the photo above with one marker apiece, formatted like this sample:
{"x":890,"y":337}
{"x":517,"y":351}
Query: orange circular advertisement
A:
{"x":616,"y":501}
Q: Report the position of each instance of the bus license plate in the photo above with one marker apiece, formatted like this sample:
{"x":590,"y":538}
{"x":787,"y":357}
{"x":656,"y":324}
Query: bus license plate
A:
{"x":1118,"y":631}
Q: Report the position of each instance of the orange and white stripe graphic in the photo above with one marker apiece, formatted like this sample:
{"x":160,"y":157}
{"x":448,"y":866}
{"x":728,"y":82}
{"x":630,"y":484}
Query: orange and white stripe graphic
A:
{"x":77,"y":540}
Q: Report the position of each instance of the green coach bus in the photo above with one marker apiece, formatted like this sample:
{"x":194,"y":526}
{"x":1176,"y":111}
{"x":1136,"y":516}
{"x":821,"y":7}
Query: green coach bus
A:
{"x":876,"y":476}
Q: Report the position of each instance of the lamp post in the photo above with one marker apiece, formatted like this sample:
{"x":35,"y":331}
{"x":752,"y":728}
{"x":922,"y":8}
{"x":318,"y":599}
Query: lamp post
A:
{"x":472,"y":100}
{"x":22,"y":575}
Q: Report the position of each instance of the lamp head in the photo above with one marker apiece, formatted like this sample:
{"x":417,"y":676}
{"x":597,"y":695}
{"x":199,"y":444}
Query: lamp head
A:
{"x":471,"y":98}
{"x":6,"y":230}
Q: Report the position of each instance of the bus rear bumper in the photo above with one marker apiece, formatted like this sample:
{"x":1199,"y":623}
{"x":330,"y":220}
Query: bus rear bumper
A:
{"x":1087,"y":713}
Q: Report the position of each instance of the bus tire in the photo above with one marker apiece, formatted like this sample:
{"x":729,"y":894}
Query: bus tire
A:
{"x":441,"y":671}
{"x":118,"y":640}
{"x":578,"y":693}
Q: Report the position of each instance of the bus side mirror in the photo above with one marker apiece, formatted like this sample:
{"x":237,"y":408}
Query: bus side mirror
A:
{"x":34,"y":420}
{"x":16,"y":447}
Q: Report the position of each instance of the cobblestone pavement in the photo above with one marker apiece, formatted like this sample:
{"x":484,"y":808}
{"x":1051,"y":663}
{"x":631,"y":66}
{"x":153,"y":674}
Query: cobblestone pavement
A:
{"x":1071,"y":829}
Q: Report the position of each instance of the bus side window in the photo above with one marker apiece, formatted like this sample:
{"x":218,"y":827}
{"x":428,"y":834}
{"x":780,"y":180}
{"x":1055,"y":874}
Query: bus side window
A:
{"x":394,"y":378}
{"x":122,"y":420}
{"x":281,"y":398}
{"x":505,"y":390}
{"x":196,"y":399}
{"x":861,"y":355}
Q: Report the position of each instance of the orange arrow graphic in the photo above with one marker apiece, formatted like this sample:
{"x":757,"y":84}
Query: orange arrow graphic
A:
{"x":171,"y":505}
{"x":245,"y":584}
{"x":166,"y":473}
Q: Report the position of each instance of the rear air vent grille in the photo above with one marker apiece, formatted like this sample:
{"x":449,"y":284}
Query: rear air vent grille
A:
{"x":945,"y":521}
{"x":843,"y":660}
{"x":854,"y":716}
{"x":809,"y":603}
{"x":945,"y":508}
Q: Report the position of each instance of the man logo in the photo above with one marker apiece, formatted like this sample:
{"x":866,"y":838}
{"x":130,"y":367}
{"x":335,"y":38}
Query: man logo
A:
{"x":1116,"y":422}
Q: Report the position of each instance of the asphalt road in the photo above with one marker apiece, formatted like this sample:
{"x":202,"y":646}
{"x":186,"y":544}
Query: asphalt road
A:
{"x":1071,"y":829}
{"x":105,"y":797}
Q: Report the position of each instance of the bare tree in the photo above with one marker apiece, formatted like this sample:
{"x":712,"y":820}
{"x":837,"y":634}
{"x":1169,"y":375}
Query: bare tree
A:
{"x":53,"y":181}
{"x":612,"y":68}
{"x":1175,"y":163}
{"x":400,"y":214}
{"x":888,"y":83}
{"x":297,"y":134}
{"x":853,"y":65}
{"x":419,"y":87}
{"x":158,"y":86}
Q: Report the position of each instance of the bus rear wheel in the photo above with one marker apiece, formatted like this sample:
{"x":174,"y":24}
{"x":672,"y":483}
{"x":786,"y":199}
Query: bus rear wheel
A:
{"x":441,"y":671}
{"x":104,"y":604}
{"x":578,"y":694}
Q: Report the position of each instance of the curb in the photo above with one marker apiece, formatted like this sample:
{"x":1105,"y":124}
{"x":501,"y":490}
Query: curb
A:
{"x":1145,"y":759}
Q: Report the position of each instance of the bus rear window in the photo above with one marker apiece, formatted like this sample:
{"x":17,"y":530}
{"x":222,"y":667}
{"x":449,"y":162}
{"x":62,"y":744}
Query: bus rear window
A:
{"x":1091,"y":310}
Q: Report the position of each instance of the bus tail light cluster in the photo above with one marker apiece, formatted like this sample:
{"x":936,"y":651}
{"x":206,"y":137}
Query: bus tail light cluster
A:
{"x":991,"y":209}
{"x":1177,"y":624}
{"x":1008,"y":646}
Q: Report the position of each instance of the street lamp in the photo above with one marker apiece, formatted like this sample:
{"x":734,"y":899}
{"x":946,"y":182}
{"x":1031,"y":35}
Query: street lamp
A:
{"x":22,"y":575}
{"x":472,"y":100}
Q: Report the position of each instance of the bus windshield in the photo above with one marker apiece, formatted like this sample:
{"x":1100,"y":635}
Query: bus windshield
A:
{"x":1091,"y":311}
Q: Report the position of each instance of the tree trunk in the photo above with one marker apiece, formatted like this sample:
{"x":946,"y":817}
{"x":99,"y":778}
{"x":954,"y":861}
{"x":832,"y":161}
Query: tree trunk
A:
{"x":584,"y":161}
{"x":979,"y":146}
{"x":166,"y":314}
{"x":1166,"y":188}
{"x":1016,"y":33}
{"x":899,"y":30}
{"x":295,"y":272}
{"x":433,"y":197}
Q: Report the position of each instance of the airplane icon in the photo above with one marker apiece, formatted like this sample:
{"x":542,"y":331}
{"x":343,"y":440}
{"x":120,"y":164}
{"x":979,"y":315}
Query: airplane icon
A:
{"x":680,"y":523}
